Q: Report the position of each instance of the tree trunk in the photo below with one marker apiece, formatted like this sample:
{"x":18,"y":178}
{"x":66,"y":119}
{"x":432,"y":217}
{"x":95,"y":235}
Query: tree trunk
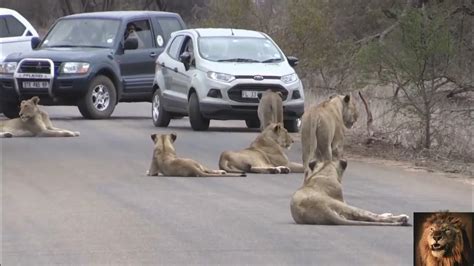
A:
{"x":427,"y":142}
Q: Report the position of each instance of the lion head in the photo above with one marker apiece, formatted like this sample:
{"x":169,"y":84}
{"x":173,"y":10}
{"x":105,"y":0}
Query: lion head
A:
{"x":164,"y":143}
{"x":349,"y":111}
{"x":29,"y":108}
{"x":444,"y":241}
{"x":278,"y":133}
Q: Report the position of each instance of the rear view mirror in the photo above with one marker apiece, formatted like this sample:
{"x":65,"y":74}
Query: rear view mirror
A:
{"x":35,"y":41}
{"x":293,"y":61}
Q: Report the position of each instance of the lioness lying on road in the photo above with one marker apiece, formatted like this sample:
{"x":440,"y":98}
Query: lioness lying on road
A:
{"x":33,"y":122}
{"x":323,"y":126}
{"x":265,"y":154}
{"x":166,"y":162}
{"x":320,"y":200}
{"x":270,"y":108}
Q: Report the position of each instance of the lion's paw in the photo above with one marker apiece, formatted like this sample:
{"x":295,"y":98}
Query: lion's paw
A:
{"x":403,"y":219}
{"x":284,"y":169}
{"x":6,"y":135}
{"x":274,"y":170}
{"x":77,"y":134}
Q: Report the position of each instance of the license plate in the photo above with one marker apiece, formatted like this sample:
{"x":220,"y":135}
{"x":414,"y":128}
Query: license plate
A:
{"x":250,"y":94}
{"x":35,"y":84}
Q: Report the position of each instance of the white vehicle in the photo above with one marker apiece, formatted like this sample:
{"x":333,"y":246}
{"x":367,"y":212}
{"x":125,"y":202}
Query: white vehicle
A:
{"x":219,"y":73}
{"x":15,"y":33}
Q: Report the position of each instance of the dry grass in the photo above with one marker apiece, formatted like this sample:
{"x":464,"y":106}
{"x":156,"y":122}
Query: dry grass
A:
{"x":398,"y":136}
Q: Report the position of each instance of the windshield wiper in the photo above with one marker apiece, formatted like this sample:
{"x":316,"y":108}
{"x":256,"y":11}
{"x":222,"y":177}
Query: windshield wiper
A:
{"x":71,"y":46}
{"x":239,"y":60}
{"x":61,"y":46}
{"x":271,"y":60}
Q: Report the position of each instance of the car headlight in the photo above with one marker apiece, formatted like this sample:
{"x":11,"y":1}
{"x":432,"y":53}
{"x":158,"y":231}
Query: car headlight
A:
{"x":220,"y":76}
{"x":74,"y":68}
{"x":7,"y":67}
{"x":289,"y":78}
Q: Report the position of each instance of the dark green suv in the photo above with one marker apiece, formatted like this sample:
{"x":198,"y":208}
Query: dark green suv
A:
{"x":89,"y":60}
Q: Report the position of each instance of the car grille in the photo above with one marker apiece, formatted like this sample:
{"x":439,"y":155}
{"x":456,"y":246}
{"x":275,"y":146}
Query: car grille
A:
{"x":235,"y":93}
{"x":33,"y":66}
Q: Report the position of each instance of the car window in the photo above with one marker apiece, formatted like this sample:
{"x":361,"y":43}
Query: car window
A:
{"x":175,"y":47}
{"x":15,"y":28}
{"x":169,"y":25}
{"x":80,"y":32}
{"x":140,"y":30}
{"x":3,"y":27}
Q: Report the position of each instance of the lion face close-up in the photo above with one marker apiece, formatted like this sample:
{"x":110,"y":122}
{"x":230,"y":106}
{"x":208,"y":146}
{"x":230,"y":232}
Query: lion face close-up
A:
{"x":444,"y":241}
{"x":29,"y":108}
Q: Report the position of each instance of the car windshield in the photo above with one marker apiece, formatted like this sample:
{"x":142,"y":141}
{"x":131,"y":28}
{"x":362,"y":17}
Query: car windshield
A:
{"x":239,"y":49}
{"x":99,"y":33}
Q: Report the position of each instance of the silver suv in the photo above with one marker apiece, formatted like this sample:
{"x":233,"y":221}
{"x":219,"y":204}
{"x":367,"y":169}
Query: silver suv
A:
{"x":218,"y":74}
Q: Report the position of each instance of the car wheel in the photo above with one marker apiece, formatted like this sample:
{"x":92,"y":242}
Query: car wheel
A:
{"x":252,"y":123}
{"x":161,"y":118}
{"x":100,"y":99}
{"x":292,"y":125}
{"x":198,"y":122}
{"x":11,"y":110}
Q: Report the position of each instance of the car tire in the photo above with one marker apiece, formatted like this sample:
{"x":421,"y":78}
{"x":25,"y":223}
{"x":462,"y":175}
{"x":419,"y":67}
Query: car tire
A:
{"x":100,"y":99}
{"x":291,"y":125}
{"x":160,"y":117}
{"x":11,"y":110}
{"x":198,"y":122}
{"x":252,"y":123}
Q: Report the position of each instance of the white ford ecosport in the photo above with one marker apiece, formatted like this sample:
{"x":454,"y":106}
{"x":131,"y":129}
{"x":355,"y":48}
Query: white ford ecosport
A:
{"x":218,"y":74}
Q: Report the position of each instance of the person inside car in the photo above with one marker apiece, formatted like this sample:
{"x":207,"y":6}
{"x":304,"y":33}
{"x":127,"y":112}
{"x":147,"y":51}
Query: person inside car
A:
{"x":131,"y":32}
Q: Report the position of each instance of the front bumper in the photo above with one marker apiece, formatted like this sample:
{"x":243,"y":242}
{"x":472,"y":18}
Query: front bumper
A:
{"x":65,"y":89}
{"x":220,"y":111}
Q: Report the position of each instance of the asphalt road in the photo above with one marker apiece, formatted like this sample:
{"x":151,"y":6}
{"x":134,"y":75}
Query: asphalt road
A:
{"x":87,"y":200}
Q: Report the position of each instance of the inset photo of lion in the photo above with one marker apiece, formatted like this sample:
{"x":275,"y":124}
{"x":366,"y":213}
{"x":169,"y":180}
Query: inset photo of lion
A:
{"x":443,"y":238}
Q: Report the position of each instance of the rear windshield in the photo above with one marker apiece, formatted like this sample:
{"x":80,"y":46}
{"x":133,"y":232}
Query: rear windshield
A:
{"x":82,"y":32}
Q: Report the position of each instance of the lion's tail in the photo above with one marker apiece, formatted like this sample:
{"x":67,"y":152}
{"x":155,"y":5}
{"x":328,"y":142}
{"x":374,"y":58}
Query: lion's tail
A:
{"x":311,"y":149}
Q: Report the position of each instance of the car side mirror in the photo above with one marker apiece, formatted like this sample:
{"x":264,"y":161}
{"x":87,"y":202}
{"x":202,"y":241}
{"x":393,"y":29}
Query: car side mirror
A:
{"x":185,"y":58}
{"x":35,"y":41}
{"x":293,"y":61}
{"x":130,"y":44}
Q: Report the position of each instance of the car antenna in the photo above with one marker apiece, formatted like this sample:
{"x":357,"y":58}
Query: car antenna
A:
{"x":232,"y":31}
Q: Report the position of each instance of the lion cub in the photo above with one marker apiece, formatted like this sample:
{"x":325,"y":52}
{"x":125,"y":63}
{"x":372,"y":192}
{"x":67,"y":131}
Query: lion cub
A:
{"x":33,"y":122}
{"x":320,"y":200}
{"x":270,"y":108}
{"x":323,"y":126}
{"x":265,"y":155}
{"x":166,"y":161}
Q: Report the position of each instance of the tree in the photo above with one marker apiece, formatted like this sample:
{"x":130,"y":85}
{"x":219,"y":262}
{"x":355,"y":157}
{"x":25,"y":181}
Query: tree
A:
{"x":417,"y":59}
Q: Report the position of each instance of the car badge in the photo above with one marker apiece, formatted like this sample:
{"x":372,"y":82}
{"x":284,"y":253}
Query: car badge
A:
{"x":258,"y":77}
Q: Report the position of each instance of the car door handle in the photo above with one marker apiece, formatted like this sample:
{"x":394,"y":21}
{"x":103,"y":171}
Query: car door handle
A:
{"x":175,"y":69}
{"x":152,"y":54}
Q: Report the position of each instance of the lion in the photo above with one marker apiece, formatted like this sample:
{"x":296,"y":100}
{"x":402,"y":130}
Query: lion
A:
{"x":320,"y":200}
{"x":270,"y":108}
{"x":265,"y":154}
{"x":33,"y":122}
{"x":166,"y":162}
{"x":323,"y":126}
{"x":444,"y":241}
